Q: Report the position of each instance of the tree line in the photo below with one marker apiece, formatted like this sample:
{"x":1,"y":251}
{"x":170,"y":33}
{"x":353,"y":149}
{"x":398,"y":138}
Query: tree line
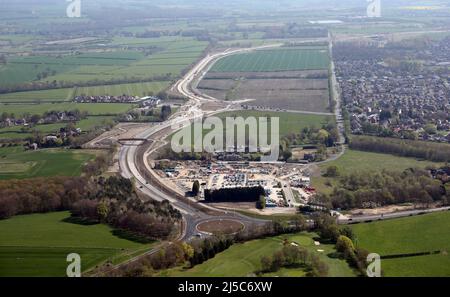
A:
{"x":293,"y":30}
{"x":201,"y":250}
{"x":376,"y":189}
{"x":116,"y":203}
{"x":343,"y":237}
{"x":112,"y":200}
{"x":294,"y":256}
{"x":323,"y":137}
{"x":436,"y":152}
{"x":48,"y":85}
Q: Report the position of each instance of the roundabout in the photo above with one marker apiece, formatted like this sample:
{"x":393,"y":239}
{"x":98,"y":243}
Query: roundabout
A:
{"x":220,"y":226}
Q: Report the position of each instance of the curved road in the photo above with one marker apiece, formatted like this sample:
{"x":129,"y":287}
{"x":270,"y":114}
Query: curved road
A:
{"x":130,"y":157}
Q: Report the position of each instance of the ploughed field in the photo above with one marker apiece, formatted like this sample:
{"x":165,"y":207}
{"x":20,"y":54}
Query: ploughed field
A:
{"x":287,"y":79}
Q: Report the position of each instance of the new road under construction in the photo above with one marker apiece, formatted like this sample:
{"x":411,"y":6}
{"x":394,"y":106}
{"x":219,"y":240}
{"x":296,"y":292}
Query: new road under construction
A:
{"x":134,"y":162}
{"x":135,"y":155}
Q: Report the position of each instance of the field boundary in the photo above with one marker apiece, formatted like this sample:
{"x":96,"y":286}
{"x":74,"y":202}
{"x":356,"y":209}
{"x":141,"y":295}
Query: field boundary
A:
{"x":409,"y":255}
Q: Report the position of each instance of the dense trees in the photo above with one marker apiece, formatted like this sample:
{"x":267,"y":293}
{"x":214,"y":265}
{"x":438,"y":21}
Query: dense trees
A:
{"x":356,"y":257}
{"x":166,"y":111}
{"x":326,"y":227}
{"x":343,"y":237}
{"x":168,"y":153}
{"x":40,"y":195}
{"x":438,"y":152}
{"x":261,"y":203}
{"x":195,"y":188}
{"x":323,"y":137}
{"x":344,"y":244}
{"x":368,"y":190}
{"x":196,"y":252}
{"x":294,"y":256}
{"x":113,"y":201}
{"x":86,"y":208}
{"x":208,"y":248}
{"x":331,"y":171}
{"x":200,"y":250}
{"x":326,"y":135}
{"x":293,"y":30}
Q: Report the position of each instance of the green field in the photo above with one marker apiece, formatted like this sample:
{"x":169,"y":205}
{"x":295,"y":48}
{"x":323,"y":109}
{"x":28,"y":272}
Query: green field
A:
{"x":38,"y":244}
{"x":360,"y":161}
{"x":289,"y":122}
{"x":16,"y":163}
{"x":36,"y":96}
{"x":274,"y":60}
{"x":175,"y":55}
{"x":91,"y":108}
{"x":133,"y":89}
{"x":136,"y":89}
{"x":243,"y":259}
{"x":425,"y":233}
{"x":354,"y":160}
{"x":23,"y":69}
{"x":170,"y":56}
{"x":426,"y":266}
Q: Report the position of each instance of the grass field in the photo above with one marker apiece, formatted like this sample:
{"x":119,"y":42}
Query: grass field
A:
{"x":170,"y":56}
{"x":35,"y":96}
{"x":274,"y":60}
{"x":38,"y":244}
{"x":425,"y":233}
{"x":135,"y":89}
{"x":354,"y":161}
{"x":289,"y":122}
{"x":426,"y":266}
{"x":244,"y":259}
{"x":175,"y":55}
{"x":91,"y":108}
{"x":16,"y":163}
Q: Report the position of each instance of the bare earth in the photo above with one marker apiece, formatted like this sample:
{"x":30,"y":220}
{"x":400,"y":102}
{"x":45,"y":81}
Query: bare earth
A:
{"x":221,"y":227}
{"x":383,"y":210}
{"x":290,"y":90}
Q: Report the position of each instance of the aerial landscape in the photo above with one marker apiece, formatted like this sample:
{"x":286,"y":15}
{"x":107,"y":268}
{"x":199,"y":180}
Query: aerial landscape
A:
{"x":192,"y":138}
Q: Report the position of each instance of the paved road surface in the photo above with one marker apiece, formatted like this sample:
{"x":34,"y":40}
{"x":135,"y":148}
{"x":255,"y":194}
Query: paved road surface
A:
{"x":129,"y":156}
{"x":394,"y":215}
